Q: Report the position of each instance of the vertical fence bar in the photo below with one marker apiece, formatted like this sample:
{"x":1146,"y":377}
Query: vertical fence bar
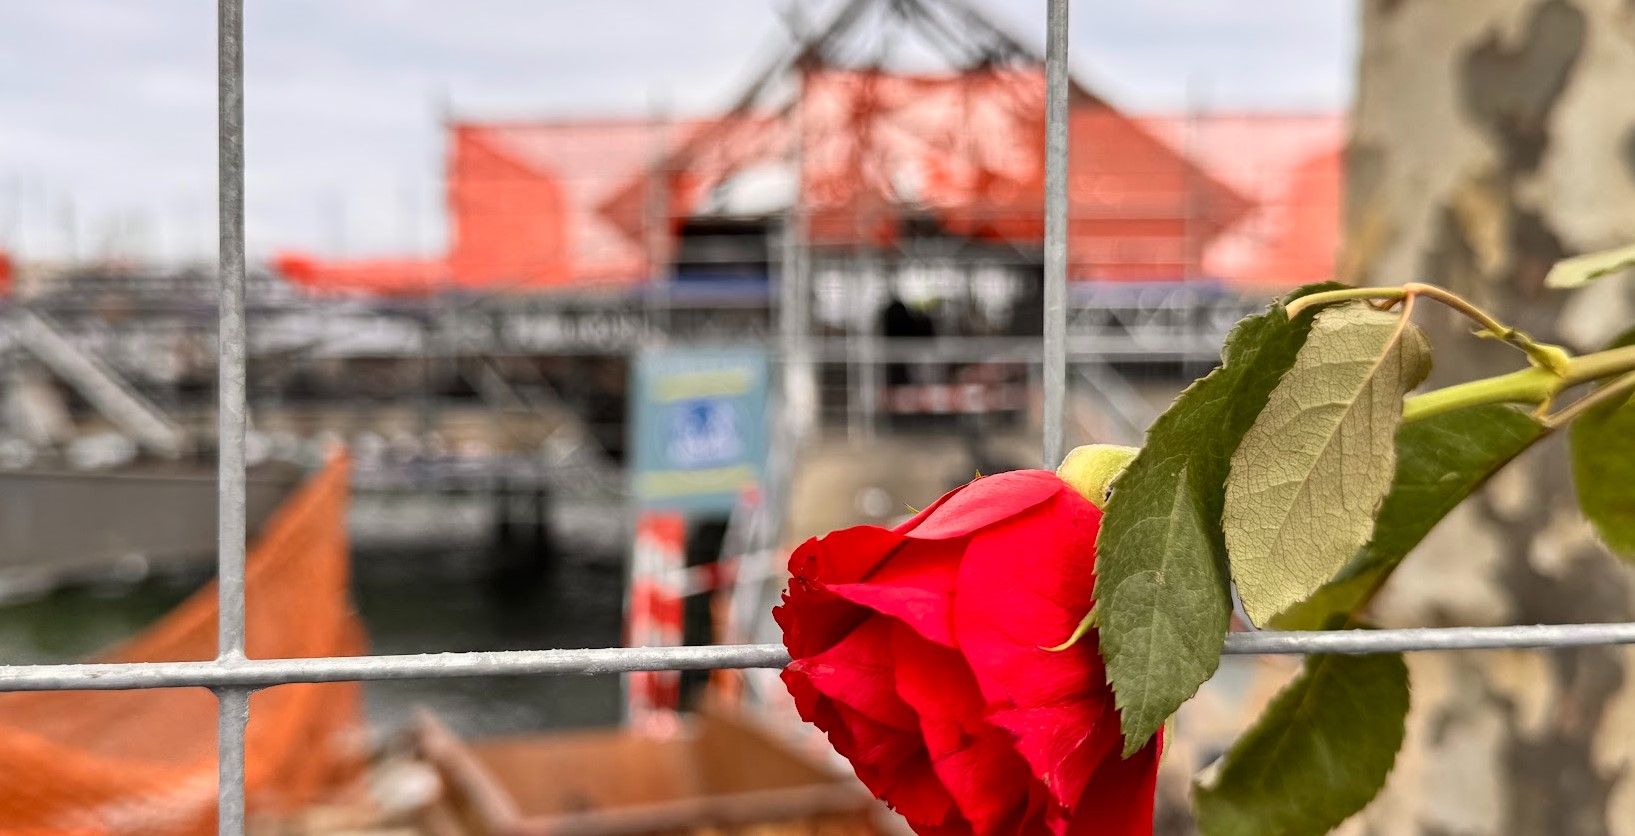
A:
{"x":1055,"y":365}
{"x":232,"y":717}
{"x":233,"y":704}
{"x":802,"y":405}
{"x":231,"y":339}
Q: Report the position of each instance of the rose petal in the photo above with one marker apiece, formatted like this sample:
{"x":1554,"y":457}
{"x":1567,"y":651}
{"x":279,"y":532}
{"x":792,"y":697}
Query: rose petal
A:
{"x":1119,"y":800}
{"x":958,"y":829}
{"x":1058,"y":748}
{"x":915,"y":585}
{"x":977,"y":762}
{"x":844,"y":556}
{"x":810,"y":703}
{"x":1024,"y":585}
{"x":984,"y":502}
{"x":895,"y":767}
{"x":858,"y":672}
{"x":913,"y":522}
{"x":893,"y":764}
{"x":812,"y":617}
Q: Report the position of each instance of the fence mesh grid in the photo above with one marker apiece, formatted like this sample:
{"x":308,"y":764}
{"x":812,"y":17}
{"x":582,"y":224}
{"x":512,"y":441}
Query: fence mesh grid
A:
{"x":233,"y":677}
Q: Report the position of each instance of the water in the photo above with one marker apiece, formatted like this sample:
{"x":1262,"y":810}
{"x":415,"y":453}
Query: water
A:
{"x":74,"y":623}
{"x":428,"y":603}
{"x":441,"y":595}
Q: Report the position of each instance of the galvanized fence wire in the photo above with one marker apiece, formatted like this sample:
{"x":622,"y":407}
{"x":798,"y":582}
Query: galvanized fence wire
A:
{"x":233,"y":677}
{"x":240,"y":676}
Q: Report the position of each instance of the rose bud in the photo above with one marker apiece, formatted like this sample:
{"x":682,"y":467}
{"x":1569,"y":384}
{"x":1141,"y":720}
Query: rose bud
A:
{"x":921,"y":651}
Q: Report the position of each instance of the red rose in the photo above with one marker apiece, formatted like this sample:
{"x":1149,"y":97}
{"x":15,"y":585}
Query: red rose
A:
{"x":919,"y":650}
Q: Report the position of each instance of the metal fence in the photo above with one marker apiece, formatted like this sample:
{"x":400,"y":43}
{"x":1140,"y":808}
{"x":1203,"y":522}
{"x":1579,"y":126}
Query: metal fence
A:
{"x":233,"y":677}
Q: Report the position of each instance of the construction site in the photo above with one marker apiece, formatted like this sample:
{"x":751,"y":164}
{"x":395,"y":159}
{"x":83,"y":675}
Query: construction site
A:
{"x":658,"y":351}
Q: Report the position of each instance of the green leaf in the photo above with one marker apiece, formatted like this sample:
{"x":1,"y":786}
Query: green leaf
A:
{"x":1091,"y":469}
{"x":1309,"y":476}
{"x":1602,"y":442}
{"x":1161,"y":591}
{"x":1319,"y":753}
{"x":1440,"y":461}
{"x":1581,"y":270}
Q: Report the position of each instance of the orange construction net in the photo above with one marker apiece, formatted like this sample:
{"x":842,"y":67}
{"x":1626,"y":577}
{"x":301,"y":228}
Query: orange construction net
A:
{"x":143,"y":763}
{"x":1244,"y":198}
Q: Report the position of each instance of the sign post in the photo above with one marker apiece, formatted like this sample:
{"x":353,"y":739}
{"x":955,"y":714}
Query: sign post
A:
{"x":699,"y":433}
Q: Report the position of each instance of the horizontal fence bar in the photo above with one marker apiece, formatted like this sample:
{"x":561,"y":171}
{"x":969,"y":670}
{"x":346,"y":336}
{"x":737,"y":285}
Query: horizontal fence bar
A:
{"x":262,"y":673}
{"x":1418,"y":639}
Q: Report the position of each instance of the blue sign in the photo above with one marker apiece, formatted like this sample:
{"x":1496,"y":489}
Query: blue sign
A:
{"x":698,"y":424}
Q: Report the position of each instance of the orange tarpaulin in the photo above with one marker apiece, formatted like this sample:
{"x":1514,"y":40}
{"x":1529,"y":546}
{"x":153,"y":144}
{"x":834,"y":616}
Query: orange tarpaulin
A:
{"x":143,"y":763}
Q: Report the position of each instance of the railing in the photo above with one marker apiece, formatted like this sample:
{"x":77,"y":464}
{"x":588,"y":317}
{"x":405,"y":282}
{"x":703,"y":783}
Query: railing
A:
{"x":233,"y":677}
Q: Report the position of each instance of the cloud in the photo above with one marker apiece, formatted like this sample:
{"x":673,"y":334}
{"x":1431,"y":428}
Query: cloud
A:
{"x":108,"y":107}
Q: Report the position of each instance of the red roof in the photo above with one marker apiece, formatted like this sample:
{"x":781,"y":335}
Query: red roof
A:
{"x":557,"y":203}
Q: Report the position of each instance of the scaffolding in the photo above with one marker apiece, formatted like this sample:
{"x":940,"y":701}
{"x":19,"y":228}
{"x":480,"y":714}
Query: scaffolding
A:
{"x":233,"y":677}
{"x":845,"y":173}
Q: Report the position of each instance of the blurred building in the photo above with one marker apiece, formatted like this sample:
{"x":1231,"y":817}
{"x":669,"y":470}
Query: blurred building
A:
{"x":887,"y":167}
{"x":854,"y":157}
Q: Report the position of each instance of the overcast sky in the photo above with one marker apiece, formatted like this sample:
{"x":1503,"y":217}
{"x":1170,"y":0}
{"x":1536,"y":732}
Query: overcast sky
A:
{"x":107,"y":107}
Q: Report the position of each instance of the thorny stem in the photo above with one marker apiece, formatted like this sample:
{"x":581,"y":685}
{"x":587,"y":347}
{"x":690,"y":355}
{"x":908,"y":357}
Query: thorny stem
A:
{"x":1554,"y":370}
{"x":1533,"y":386}
{"x":1347,"y":294}
{"x":1622,"y":387}
{"x":1545,"y":356}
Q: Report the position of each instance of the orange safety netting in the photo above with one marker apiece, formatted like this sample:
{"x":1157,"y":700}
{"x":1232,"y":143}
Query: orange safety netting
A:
{"x":535,"y":205}
{"x":143,"y":763}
